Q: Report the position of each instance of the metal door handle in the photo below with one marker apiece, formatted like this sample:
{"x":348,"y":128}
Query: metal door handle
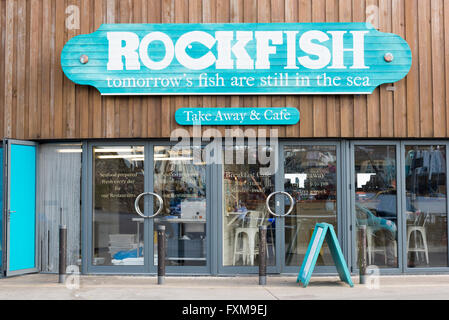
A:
{"x":292,"y":204}
{"x":136,"y":204}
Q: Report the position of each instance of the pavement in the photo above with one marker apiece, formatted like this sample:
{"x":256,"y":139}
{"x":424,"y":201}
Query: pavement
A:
{"x":93,"y":287}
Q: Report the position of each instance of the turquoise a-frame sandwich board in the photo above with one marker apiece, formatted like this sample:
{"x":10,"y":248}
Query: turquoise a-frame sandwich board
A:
{"x":323,"y":231}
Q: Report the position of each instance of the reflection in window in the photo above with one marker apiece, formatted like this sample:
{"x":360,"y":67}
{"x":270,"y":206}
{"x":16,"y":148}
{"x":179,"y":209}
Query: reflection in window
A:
{"x":118,"y":178}
{"x":181,"y":183}
{"x":375,"y":202}
{"x":310,"y":176}
{"x":425,"y":179}
{"x":245,"y":191}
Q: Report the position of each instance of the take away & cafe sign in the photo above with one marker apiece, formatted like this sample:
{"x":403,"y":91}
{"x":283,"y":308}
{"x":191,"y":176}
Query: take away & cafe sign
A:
{"x":236,"y":58}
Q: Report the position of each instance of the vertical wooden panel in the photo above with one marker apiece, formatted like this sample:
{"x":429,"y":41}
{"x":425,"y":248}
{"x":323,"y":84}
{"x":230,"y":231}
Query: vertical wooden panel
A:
{"x":140,"y":107}
{"x":319,"y":102}
{"x":45,"y":63}
{"x":438,"y":78}
{"x":34,"y":112}
{"x":195,"y":16}
{"x":8,"y":62}
{"x":250,"y":13}
{"x":332,"y":103}
{"x":123,"y":101}
{"x":386,"y":97}
{"x":346,"y":102}
{"x":59,"y":76}
{"x":292,"y":101}
{"x":209,"y":13}
{"x":97,"y":101}
{"x":412,"y":80}
{"x":425,"y":69}
{"x":278,"y":15}
{"x":181,"y":16}
{"x":8,"y":58}
{"x":305,"y":102}
{"x":360,"y":101}
{"x":21,"y":72}
{"x":373,"y":100}
{"x":70,"y":91}
{"x":168,"y":7}
{"x":223,"y":16}
{"x":264,"y":13}
{"x":399,"y":95}
{"x":236,"y":8}
{"x":446,"y":55}
{"x":83,"y":105}
{"x":2,"y":67}
{"x":110,"y":101}
{"x":154,"y":104}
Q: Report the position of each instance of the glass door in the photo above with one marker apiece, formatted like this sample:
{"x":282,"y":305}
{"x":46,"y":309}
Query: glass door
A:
{"x":248,"y":177}
{"x":311,"y":175}
{"x":425,"y":206}
{"x":375,"y":203}
{"x":122,"y":240}
{"x":181,"y":179}
{"x":117,"y":242}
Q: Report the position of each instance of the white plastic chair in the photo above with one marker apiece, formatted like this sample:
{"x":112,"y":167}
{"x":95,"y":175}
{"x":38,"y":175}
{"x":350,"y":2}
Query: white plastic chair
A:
{"x":371,"y":246}
{"x":418,"y":228}
{"x":248,"y":235}
{"x":421,"y":230}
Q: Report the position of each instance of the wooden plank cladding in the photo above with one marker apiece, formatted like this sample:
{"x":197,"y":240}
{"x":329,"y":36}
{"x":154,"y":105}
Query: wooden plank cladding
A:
{"x":37,"y":101}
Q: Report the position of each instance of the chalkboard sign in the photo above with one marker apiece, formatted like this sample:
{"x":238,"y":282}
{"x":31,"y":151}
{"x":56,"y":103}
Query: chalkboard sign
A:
{"x":323,"y":231}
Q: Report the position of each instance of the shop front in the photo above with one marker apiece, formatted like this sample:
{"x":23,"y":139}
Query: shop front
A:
{"x":191,"y":114}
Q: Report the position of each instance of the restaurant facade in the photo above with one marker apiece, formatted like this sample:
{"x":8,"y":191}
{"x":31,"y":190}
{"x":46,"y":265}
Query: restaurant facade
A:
{"x":203,"y":110}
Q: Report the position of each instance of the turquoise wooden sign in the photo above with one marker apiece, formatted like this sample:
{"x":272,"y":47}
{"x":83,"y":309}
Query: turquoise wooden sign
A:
{"x":323,"y":231}
{"x":236,"y":58}
{"x":237,"y":116}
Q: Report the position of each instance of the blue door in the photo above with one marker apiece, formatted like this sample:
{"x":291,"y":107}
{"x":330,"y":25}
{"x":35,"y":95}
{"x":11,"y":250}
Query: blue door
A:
{"x":21,"y":208}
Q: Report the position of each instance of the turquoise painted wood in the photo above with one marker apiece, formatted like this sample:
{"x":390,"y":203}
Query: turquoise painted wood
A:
{"x":237,"y":116}
{"x":236,"y":59}
{"x":323,"y":231}
{"x":22,"y":197}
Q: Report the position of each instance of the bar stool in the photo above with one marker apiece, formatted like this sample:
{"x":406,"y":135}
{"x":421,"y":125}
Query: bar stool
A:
{"x":248,"y":235}
{"x":421,"y":230}
{"x":371,"y":246}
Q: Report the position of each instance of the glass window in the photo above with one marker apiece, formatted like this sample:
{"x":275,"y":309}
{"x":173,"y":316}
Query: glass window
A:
{"x":310,"y":176}
{"x":118,"y":178}
{"x":376,"y":202}
{"x":245,"y":190}
{"x":181,"y":183}
{"x":59,"y":202}
{"x":426,"y":211}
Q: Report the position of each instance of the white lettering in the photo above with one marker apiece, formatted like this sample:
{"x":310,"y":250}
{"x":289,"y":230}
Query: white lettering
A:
{"x":187,"y":61}
{"x":169,"y":51}
{"x":358,"y":49}
{"x":116,"y":51}
{"x":323,"y":53}
{"x":263,"y":47}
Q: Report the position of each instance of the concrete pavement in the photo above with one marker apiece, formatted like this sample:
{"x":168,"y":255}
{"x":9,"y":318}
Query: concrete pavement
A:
{"x":45,"y":286}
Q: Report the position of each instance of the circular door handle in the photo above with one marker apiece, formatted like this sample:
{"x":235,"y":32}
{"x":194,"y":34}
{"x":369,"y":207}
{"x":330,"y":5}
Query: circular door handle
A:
{"x":136,"y":204}
{"x":292,"y":204}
